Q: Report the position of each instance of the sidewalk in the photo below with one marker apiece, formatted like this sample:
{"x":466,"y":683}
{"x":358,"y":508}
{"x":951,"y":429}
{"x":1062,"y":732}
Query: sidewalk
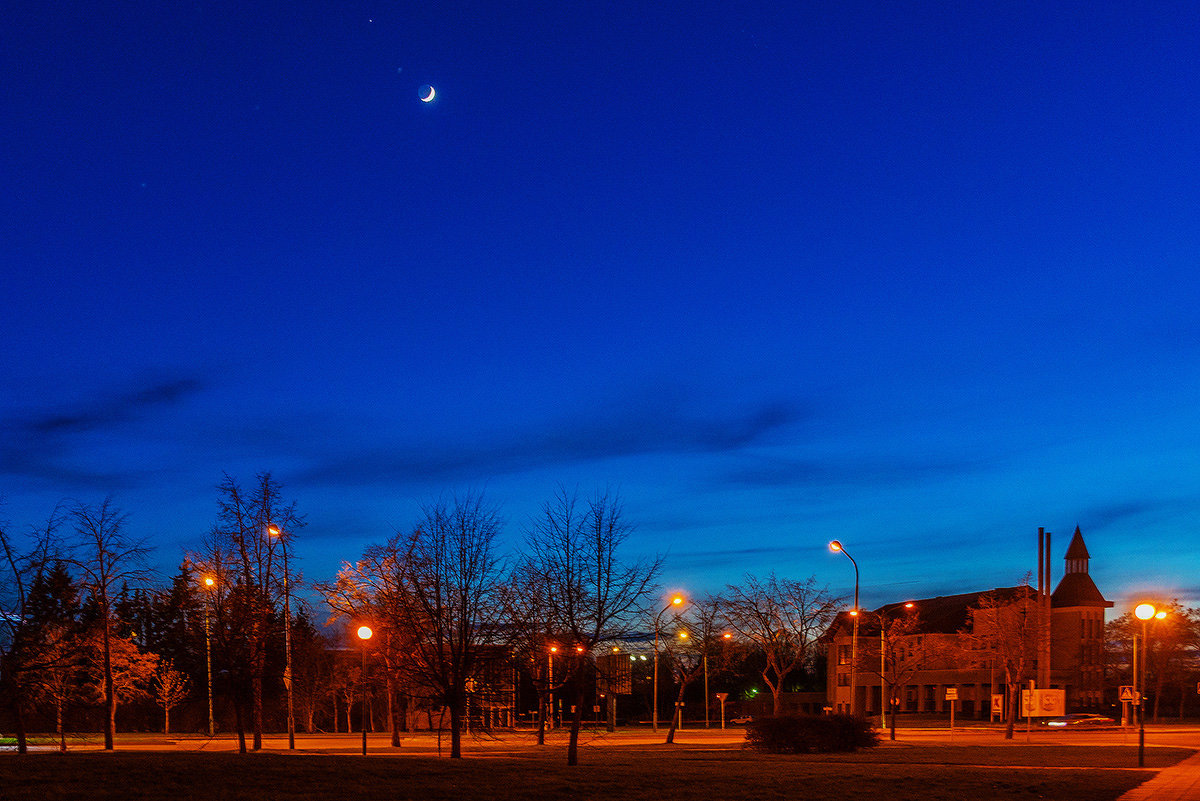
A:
{"x":1177,"y":783}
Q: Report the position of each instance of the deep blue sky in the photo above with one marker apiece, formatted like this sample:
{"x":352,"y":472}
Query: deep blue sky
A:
{"x":917,"y":276}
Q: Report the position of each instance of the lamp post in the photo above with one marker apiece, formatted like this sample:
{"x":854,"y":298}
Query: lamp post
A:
{"x":1143,"y":612}
{"x":209,"y":583}
{"x":275,"y":531}
{"x":837,"y":546}
{"x":364,"y":634}
{"x":550,"y":682}
{"x":683,"y":637}
{"x":675,"y":601}
{"x":726,"y":636}
{"x":885,"y":703}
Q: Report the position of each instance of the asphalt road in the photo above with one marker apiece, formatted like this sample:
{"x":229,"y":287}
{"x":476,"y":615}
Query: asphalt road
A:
{"x":506,"y":742}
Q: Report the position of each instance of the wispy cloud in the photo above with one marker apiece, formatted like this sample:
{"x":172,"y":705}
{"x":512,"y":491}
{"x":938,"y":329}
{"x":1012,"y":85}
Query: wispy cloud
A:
{"x":1099,"y":518}
{"x":872,"y":469}
{"x":591,"y":436}
{"x":102,"y":412}
{"x":41,"y":446}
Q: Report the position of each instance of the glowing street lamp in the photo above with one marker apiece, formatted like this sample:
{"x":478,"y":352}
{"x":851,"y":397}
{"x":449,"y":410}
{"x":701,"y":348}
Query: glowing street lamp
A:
{"x":364,"y":634}
{"x":275,"y":531}
{"x":886,"y":703}
{"x":726,"y":636}
{"x":550,"y":681}
{"x":837,"y":547}
{"x":1143,"y":612}
{"x":676,"y":601}
{"x":209,"y":583}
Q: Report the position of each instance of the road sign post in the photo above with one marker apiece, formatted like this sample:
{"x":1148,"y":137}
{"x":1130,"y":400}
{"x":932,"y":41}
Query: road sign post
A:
{"x":952,"y":697}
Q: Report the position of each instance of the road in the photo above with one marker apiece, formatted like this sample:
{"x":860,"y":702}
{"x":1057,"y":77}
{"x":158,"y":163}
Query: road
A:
{"x":503,"y":743}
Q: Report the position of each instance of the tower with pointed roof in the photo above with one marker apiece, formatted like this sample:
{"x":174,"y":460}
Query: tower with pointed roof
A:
{"x":1077,"y":630}
{"x":946,"y":651}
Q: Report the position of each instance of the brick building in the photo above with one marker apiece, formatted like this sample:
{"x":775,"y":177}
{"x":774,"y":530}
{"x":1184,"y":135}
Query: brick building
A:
{"x":948,"y":653}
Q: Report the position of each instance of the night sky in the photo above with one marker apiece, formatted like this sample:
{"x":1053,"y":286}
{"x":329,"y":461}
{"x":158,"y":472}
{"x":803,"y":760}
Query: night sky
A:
{"x":920,"y":277}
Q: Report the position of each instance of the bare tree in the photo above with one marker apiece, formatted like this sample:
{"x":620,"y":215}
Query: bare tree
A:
{"x":375,"y":589}
{"x":107,"y":559}
{"x":532,"y":636}
{"x":453,"y":576}
{"x":437,"y":593}
{"x":896,"y":653}
{"x":59,"y":679}
{"x":697,"y":650}
{"x":122,"y":669}
{"x":24,"y":651}
{"x":171,"y":688}
{"x":1008,"y":625}
{"x":783,"y":619}
{"x":245,"y":557}
{"x":589,"y":595}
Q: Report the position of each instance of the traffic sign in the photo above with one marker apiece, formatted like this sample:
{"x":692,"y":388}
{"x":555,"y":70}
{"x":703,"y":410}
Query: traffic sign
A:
{"x":1126,"y":692}
{"x":951,"y":693}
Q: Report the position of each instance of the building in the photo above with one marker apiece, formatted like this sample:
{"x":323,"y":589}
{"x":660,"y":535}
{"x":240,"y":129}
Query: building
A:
{"x":932,"y":645}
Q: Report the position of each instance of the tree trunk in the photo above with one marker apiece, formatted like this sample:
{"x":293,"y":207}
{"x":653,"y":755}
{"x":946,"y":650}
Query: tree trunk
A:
{"x":19,"y":723}
{"x":257,"y":709}
{"x":58,"y":719}
{"x":110,"y":694}
{"x":239,"y":717}
{"x":1158,"y":688}
{"x":678,"y":713}
{"x":545,"y":708}
{"x":576,"y":721}
{"x":166,"y":720}
{"x":1014,"y":702}
{"x":455,"y":727}
{"x":393,"y":711}
{"x":776,"y":701}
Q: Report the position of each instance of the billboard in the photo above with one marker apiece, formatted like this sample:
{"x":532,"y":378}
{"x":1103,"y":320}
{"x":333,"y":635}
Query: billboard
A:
{"x":1043,"y":703}
{"x":613,"y":674}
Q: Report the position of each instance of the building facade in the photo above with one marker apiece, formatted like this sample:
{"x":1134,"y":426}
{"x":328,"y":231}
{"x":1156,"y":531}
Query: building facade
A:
{"x":924,"y":647}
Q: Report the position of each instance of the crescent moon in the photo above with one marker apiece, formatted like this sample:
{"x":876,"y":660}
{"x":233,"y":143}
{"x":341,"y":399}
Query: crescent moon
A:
{"x":427,"y":94}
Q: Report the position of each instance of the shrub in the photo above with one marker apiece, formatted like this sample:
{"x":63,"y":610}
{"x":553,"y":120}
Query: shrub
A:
{"x":810,"y":734}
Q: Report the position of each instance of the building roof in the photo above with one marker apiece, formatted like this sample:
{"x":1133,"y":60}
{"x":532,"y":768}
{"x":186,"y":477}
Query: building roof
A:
{"x":1077,"y":550}
{"x":944,"y":614}
{"x":1078,"y":589}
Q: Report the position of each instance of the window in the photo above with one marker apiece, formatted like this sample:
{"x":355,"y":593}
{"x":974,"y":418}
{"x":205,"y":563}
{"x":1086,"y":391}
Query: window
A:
{"x":843,"y":679}
{"x":843,"y":654}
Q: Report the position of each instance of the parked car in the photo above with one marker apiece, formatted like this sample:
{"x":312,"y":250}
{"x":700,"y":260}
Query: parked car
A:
{"x":742,"y":720}
{"x":1079,"y":720}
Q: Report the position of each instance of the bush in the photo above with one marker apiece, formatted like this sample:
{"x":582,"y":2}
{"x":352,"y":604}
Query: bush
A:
{"x":810,"y":734}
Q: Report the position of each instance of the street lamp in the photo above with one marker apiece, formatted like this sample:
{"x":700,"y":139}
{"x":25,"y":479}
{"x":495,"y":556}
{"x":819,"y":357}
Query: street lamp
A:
{"x":364,"y":634}
{"x":1143,"y":612}
{"x":683,"y":637}
{"x":275,"y":531}
{"x":726,"y":636}
{"x":837,"y":547}
{"x":209,"y":583}
{"x":885,"y":703}
{"x":550,"y":681}
{"x":675,"y":601}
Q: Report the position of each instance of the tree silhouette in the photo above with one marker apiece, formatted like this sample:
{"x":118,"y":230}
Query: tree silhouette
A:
{"x":589,"y":596}
{"x":106,"y":559}
{"x":782,"y":618}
